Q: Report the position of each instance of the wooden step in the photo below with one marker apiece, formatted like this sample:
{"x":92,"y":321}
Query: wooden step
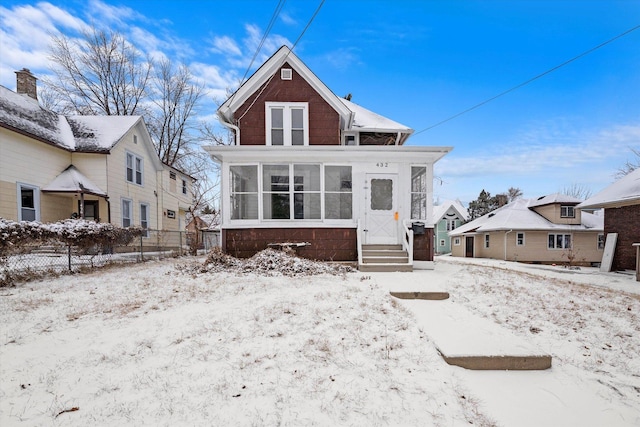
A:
{"x":374,"y":247}
{"x":402,"y":259}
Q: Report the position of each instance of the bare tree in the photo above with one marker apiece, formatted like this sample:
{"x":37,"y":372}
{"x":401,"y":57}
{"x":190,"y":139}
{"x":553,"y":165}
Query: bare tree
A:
{"x":513,"y":193}
{"x":630,"y":165}
{"x":172,"y":123}
{"x":100,"y":73}
{"x":579,"y":191}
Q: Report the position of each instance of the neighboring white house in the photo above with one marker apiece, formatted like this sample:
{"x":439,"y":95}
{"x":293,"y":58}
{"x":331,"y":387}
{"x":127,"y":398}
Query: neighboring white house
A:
{"x":310,"y":167}
{"x":101,"y":168}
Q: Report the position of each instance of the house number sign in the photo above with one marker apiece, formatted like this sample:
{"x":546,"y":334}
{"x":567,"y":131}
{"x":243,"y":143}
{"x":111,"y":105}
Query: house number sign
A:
{"x":382,"y":164}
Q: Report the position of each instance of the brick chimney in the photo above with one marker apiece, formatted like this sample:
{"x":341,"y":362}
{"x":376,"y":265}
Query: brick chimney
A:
{"x":26,"y":83}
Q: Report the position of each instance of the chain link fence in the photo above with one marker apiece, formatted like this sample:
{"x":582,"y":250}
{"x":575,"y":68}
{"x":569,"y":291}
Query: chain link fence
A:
{"x":32,"y":261}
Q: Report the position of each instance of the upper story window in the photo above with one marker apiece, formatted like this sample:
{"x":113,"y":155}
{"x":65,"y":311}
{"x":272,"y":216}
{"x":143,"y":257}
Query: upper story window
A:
{"x":287,"y":123}
{"x":134,"y":169}
{"x":184,"y":186}
{"x":567,"y":212}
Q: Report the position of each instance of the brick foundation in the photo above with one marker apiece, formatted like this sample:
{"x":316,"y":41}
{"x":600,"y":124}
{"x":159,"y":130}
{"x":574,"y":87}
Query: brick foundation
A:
{"x":327,"y":244}
{"x":626,"y":222}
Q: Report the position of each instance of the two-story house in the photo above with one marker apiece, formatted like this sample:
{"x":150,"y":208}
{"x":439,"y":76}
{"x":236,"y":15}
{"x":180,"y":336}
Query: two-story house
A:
{"x":549,"y":229}
{"x":101,"y":168}
{"x":447,"y":216}
{"x":312,"y":168}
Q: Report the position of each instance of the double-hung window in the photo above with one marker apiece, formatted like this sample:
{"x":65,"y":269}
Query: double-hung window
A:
{"x":519,"y":239}
{"x":559,"y":241}
{"x":486,"y":240}
{"x":29,"y":202}
{"x":287,"y":123}
{"x":127,"y":211}
{"x":134,"y":169}
{"x":418,"y":192}
{"x":567,"y":212}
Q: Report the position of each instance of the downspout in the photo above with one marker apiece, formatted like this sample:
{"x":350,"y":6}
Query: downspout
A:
{"x":231,"y":126}
{"x":505,"y":243}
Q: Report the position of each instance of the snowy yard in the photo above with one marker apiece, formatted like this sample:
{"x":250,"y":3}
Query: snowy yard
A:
{"x":153,"y":344}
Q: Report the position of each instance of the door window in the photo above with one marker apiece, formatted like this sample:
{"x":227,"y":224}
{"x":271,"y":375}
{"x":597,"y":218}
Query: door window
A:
{"x":381,"y":194}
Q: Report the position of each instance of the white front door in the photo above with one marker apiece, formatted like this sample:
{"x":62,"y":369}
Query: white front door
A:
{"x":381,"y":206}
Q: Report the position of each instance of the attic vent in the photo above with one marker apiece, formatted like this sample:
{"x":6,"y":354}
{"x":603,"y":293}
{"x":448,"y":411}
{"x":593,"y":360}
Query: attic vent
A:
{"x":286,"y":73}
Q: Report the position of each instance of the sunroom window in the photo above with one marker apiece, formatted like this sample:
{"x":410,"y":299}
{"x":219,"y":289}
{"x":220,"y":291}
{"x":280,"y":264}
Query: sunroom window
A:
{"x":337,"y":192}
{"x":418,"y":192}
{"x":244,"y":192}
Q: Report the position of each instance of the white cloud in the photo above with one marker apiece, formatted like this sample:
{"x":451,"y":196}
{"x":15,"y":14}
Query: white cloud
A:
{"x":225,"y":45}
{"x":287,"y":19}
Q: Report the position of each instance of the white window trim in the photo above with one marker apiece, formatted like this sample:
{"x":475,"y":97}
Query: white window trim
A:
{"x":567,"y":208}
{"x":36,"y":199}
{"x":126,"y":167}
{"x":523,"y":238}
{"x":287,"y":106}
{"x":356,"y":140}
{"x":598,"y":247}
{"x":456,"y":241}
{"x":487,"y":238}
{"x":122,"y":202}
{"x":555,"y":239}
{"x":425,"y":193}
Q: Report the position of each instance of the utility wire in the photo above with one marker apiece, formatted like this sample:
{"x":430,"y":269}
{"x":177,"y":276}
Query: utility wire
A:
{"x":530,"y":80}
{"x":264,"y":86}
{"x":274,"y":16}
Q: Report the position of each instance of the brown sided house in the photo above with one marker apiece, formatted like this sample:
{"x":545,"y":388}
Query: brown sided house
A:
{"x":621,"y":203}
{"x":308,"y":167}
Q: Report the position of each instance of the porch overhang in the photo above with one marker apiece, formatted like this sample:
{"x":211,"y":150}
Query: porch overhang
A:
{"x":72,"y":181}
{"x":321,"y":153}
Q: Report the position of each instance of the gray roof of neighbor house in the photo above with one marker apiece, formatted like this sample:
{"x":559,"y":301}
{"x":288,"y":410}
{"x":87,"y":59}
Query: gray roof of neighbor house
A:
{"x":624,"y":192}
{"x":23,"y":114}
{"x":518,"y":215}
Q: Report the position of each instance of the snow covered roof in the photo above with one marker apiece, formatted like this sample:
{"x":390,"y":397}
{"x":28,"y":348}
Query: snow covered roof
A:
{"x":71,"y":180}
{"x":518,"y":215}
{"x":554,"y":198}
{"x":624,"y":192}
{"x":440,"y":210}
{"x":368,"y":121}
{"x":72,"y":133}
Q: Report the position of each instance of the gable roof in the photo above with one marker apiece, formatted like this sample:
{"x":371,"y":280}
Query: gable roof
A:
{"x":440,"y":210}
{"x":71,"y":180}
{"x":623,"y":192}
{"x":264,"y":75}
{"x":93,"y":134}
{"x":518,"y":215}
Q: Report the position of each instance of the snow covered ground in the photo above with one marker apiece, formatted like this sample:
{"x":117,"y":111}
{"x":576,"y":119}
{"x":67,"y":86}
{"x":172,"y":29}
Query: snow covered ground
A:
{"x":153,"y":344}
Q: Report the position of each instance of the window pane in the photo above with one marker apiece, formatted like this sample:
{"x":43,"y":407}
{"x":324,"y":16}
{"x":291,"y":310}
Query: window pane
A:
{"x":306,"y":205}
{"x":276,"y":206}
{"x":244,"y":206}
{"x":567,"y":241}
{"x":277,"y":137}
{"x":551,"y":241}
{"x":244,"y":179}
{"x":275,"y":178}
{"x":337,"y":206}
{"x":419,"y":179}
{"x":559,"y":241}
{"x":297,"y":121}
{"x":337,"y":178}
{"x":27,"y":197}
{"x":297,"y":137}
{"x":307,"y":177}
{"x":381,"y":194}
{"x":277,"y":117}
{"x":419,"y":207}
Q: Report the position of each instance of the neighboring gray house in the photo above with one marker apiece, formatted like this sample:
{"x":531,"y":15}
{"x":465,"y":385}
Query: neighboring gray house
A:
{"x":447,"y":217}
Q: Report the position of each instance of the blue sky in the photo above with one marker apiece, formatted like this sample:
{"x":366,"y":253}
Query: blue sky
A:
{"x":416,"y":62}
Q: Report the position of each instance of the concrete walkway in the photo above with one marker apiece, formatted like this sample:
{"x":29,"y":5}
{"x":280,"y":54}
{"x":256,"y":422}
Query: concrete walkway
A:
{"x":559,"y":396}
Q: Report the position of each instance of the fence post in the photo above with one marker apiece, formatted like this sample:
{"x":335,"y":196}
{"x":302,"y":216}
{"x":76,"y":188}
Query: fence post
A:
{"x":180,"y":238}
{"x":69,"y":255}
{"x":141,"y":251}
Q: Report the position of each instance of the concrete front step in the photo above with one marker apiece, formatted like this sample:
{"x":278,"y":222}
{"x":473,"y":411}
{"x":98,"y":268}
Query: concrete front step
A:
{"x":370,"y":268}
{"x":404,"y":259}
{"x":379,"y":252}
{"x":381,"y":247}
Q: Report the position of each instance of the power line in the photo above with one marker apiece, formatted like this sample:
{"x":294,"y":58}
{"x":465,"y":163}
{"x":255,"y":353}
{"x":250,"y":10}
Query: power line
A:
{"x":530,"y":80}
